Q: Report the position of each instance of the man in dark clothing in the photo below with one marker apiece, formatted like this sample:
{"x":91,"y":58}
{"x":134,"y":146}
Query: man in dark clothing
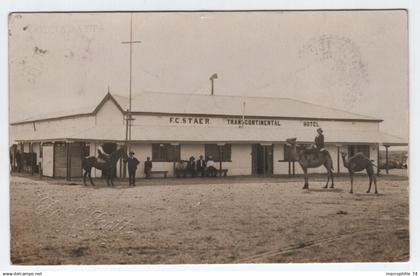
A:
{"x":319,"y":140}
{"x":132,"y":164}
{"x":319,"y":146}
{"x":191,"y":166}
{"x":148,"y":167}
{"x":18,"y":158}
{"x":201,"y":166}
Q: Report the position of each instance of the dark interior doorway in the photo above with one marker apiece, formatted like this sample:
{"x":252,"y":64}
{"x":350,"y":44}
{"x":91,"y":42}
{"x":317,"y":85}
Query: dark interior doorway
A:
{"x":262,"y":159}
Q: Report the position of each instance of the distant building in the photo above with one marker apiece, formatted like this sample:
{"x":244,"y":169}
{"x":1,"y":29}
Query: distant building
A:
{"x":245,"y":135}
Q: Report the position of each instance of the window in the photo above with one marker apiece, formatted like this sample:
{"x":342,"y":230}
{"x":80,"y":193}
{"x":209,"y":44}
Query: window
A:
{"x":353,"y":149}
{"x":165,"y":153}
{"x":219,"y":153}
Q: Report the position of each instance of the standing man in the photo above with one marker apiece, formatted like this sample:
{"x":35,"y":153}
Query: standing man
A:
{"x":191,"y":166}
{"x":132,"y":163}
{"x":148,"y":167}
{"x":201,"y":166}
{"x":18,"y":158}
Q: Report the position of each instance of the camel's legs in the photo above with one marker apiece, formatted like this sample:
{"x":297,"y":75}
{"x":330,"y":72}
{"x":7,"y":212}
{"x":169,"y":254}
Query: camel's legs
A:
{"x":332,"y":178}
{"x":372,"y":177}
{"x":111,"y":176}
{"x":90,"y":178}
{"x":330,"y":175}
{"x":328,"y":180}
{"x":374,"y":181}
{"x":84,"y":177}
{"x":351,"y":182}
{"x":305,"y":171}
{"x":370,"y":181}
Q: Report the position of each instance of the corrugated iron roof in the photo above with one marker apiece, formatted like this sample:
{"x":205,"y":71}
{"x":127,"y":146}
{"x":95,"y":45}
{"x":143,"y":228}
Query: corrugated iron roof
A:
{"x":177,"y":103}
{"x":86,"y":110}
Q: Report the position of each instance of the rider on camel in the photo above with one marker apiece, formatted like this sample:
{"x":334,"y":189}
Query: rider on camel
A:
{"x":319,"y":146}
{"x":319,"y":140}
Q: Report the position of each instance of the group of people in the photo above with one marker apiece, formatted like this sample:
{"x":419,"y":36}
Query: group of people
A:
{"x":132,"y":164}
{"x":203,"y":167}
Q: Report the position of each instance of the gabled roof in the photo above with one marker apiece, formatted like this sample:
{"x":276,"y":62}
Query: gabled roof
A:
{"x":211,"y":105}
{"x":76,"y":112}
{"x":199,"y":104}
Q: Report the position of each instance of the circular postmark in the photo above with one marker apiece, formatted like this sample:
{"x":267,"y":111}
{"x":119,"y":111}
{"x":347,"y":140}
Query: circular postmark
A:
{"x":334,"y":64}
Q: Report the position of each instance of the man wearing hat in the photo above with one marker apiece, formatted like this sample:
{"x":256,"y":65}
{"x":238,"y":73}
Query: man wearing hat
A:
{"x":319,"y":140}
{"x":148,"y":167}
{"x":319,"y":146}
{"x":132,"y":164}
{"x":201,"y":166}
{"x":191,"y":166}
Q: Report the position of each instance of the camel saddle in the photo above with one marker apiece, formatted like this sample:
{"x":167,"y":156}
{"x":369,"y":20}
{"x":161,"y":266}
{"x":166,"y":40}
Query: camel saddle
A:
{"x":313,"y":153}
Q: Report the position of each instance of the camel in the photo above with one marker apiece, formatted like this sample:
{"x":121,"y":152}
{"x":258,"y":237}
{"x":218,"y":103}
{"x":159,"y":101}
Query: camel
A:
{"x":312,"y":159}
{"x":107,"y":164}
{"x":357,"y":163}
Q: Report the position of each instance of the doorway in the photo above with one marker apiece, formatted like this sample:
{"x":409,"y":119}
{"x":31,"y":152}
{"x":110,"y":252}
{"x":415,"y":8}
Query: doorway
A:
{"x":262,"y":159}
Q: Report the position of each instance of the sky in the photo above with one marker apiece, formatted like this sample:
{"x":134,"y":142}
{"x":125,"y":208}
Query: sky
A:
{"x":351,"y":60}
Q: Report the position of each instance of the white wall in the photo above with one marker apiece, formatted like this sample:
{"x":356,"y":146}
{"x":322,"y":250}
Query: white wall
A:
{"x":343,"y":148}
{"x":374,"y":155}
{"x":163,"y":166}
{"x":25,"y":147}
{"x":165,"y":120}
{"x":109,"y":114}
{"x":35,"y":148}
{"x":278,"y":154}
{"x":241,"y":160}
{"x":333,"y":152}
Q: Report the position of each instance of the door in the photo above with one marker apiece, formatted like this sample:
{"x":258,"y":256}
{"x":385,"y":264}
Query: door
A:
{"x":48,"y":160}
{"x":76,"y":159}
{"x":262,"y":159}
{"x":60,"y":160}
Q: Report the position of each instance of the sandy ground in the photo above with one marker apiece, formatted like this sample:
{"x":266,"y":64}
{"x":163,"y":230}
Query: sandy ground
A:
{"x":223,"y":220}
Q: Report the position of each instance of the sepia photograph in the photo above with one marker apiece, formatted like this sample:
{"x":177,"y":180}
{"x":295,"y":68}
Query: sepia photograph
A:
{"x":209,"y":137}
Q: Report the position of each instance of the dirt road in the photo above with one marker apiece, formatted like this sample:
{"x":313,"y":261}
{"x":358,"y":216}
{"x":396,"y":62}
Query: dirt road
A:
{"x":233,"y":220}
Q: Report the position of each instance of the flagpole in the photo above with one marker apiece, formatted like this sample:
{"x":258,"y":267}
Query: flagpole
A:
{"x":128,"y":112}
